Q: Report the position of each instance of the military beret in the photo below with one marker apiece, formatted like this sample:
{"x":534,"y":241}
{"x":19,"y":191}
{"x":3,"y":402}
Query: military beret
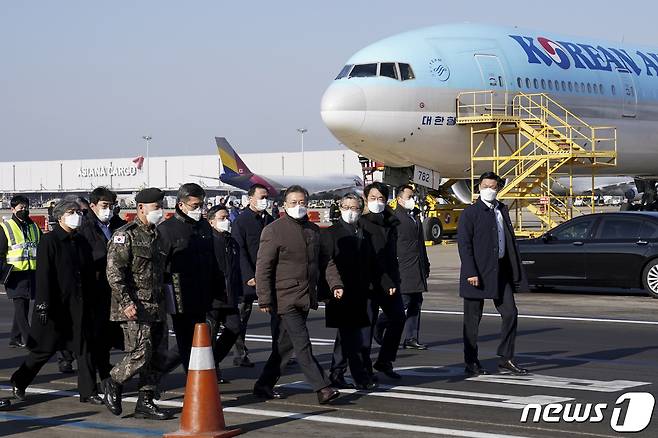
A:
{"x":150,"y":195}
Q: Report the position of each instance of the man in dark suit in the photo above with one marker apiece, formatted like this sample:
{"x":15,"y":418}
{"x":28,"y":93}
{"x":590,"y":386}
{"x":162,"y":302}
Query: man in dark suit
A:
{"x":491,"y":269}
{"x":246,"y":230}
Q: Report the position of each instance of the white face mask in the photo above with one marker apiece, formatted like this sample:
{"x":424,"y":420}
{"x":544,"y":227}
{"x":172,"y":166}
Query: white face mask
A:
{"x":73,"y":220}
{"x":195,"y":215}
{"x":223,"y":226}
{"x":261,"y":204}
{"x":376,"y":206}
{"x":349,"y":216}
{"x":104,"y":215}
{"x":409,"y":204}
{"x":154,"y":217}
{"x":488,"y":194}
{"x":296,"y":212}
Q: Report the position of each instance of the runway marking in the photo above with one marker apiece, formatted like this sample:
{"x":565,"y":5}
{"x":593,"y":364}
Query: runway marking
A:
{"x":471,"y":398}
{"x":540,"y":380}
{"x":80,"y":424}
{"x":298,"y":416}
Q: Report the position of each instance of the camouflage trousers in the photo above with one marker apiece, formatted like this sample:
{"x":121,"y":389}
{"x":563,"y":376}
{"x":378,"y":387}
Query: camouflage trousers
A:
{"x":146,"y":345}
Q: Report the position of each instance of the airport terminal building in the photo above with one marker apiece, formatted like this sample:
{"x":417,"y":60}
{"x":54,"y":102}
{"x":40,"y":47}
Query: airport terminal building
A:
{"x":130,"y":174}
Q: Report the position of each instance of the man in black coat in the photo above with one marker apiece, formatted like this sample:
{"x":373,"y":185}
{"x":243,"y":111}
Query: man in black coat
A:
{"x":64,"y":277}
{"x":225,"y":307}
{"x":414,"y":267}
{"x":348,"y":248}
{"x":491,"y":269}
{"x":97,"y":229}
{"x":192,"y":278}
{"x":246,"y":230}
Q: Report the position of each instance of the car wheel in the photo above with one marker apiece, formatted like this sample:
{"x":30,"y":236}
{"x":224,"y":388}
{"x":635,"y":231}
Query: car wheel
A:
{"x":650,"y":278}
{"x":432,"y":229}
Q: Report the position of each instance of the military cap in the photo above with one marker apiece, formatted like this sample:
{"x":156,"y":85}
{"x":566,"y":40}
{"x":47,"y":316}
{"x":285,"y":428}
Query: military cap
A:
{"x":150,"y":195}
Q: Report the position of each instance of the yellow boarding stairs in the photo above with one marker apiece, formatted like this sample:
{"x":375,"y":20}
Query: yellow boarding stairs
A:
{"x":530,"y":140}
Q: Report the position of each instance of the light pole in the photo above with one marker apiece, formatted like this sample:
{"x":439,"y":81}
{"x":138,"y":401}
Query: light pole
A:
{"x":301,"y":132}
{"x":148,"y":139}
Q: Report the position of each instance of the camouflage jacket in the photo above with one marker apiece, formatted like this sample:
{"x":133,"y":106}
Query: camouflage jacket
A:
{"x":135,"y":270}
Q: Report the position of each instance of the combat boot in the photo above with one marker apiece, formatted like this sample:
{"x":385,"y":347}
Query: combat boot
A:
{"x":112,"y":396}
{"x":147,"y":409}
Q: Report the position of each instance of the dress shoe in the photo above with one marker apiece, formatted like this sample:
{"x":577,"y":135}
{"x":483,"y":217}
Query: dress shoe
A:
{"x":65,"y":367}
{"x":475,"y":369}
{"x":509,"y":365}
{"x":112,"y":399}
{"x":5,"y":403}
{"x":147,"y":409}
{"x":267,"y":393}
{"x":413,"y":344}
{"x":340,"y":382}
{"x":220,"y":378}
{"x":366,"y":386}
{"x":93,"y":399}
{"x":18,"y":392}
{"x":387,"y":369}
{"x":243,"y":362}
{"x":326,"y":394}
{"x":17,"y":344}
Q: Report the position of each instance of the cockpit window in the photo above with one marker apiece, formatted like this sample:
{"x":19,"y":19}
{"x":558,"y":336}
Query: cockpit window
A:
{"x":406,"y":72}
{"x":388,"y":69}
{"x":364,"y":71}
{"x":345,"y":71}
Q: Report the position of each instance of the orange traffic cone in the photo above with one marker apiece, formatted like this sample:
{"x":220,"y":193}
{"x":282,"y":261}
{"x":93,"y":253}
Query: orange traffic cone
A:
{"x":202,"y":408}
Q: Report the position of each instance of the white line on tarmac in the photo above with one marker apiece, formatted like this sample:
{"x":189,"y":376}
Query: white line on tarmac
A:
{"x":304,"y":417}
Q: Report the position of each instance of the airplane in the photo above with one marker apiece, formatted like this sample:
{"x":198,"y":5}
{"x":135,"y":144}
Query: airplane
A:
{"x":236,"y":173}
{"x":380,"y":102}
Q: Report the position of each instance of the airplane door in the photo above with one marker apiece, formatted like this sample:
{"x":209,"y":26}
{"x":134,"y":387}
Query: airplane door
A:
{"x":493,"y":78}
{"x":628,"y":92}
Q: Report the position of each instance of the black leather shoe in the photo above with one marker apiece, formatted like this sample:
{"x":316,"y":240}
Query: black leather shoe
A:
{"x":220,"y":379}
{"x":509,"y":365}
{"x":112,"y":399}
{"x":325,"y":395}
{"x":340,"y":382}
{"x":16,"y":344}
{"x":366,"y":386}
{"x":5,"y":403}
{"x":65,"y":367}
{"x":475,"y":369}
{"x":243,"y":362}
{"x":147,"y":409}
{"x":267,"y":393}
{"x":18,"y":393}
{"x":93,"y":399}
{"x":387,"y":369}
{"x":413,"y":344}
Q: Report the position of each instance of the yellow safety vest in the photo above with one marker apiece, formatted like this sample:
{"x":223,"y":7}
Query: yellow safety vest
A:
{"x":22,"y":252}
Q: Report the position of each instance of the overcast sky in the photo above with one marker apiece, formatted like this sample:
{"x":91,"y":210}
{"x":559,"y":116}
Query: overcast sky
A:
{"x":87,"y":79}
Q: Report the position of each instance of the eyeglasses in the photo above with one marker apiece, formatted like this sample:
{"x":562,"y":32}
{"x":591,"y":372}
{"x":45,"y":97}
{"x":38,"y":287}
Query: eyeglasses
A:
{"x":350,"y":208}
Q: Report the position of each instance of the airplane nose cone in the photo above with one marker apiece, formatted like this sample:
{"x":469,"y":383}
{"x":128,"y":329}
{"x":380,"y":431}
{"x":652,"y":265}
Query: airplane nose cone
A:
{"x":343,"y":109}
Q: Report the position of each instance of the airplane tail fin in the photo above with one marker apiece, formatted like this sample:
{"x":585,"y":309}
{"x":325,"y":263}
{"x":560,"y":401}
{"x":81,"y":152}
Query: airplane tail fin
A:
{"x":231,"y":162}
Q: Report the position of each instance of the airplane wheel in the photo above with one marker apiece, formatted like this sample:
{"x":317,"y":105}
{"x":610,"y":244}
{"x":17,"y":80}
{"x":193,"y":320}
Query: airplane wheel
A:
{"x":433,"y":229}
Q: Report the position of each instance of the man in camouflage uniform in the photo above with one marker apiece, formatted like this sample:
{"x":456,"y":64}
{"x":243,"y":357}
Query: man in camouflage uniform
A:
{"x":135,"y":270}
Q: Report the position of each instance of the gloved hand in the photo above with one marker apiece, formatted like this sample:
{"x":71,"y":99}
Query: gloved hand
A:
{"x":42,"y":312}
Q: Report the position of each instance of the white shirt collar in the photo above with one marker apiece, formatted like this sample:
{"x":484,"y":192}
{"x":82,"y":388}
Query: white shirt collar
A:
{"x":490,"y":204}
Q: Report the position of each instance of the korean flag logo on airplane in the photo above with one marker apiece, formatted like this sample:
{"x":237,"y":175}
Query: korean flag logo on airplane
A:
{"x":555,"y":51}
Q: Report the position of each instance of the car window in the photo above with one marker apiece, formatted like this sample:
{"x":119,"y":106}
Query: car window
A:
{"x":618,"y":228}
{"x":649,"y":230}
{"x":578,"y":230}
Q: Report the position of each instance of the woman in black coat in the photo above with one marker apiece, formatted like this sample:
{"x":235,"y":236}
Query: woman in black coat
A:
{"x":64,"y":274}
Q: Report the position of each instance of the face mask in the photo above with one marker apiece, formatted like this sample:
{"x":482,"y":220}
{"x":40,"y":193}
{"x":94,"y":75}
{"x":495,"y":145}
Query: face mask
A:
{"x":73,"y":220}
{"x":23,"y":214}
{"x":223,"y":226}
{"x":376,"y":206}
{"x":154,"y":217}
{"x":195,"y":215}
{"x":261,"y":204}
{"x":488,"y":194}
{"x":409,"y":204}
{"x":349,"y":216}
{"x":104,"y":215}
{"x":297,"y":212}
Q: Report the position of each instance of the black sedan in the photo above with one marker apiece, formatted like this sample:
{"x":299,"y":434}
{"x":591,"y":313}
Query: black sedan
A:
{"x":618,"y":250}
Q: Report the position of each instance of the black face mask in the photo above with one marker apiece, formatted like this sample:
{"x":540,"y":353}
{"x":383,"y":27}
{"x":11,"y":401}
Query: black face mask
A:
{"x":23,"y":214}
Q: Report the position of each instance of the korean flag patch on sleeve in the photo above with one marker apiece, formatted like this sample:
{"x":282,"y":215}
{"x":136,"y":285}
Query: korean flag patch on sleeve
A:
{"x":119,"y":238}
